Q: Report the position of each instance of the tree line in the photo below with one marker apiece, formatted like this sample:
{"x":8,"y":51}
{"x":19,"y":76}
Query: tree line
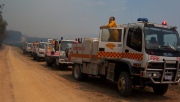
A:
{"x":3,"y":24}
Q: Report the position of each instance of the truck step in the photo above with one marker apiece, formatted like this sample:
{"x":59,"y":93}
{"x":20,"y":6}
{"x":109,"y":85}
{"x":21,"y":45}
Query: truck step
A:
{"x":94,"y":68}
{"x":110,"y":71}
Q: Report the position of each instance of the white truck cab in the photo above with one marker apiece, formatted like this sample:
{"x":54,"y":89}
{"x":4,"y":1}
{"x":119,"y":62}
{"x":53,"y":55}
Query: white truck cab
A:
{"x":51,"y":51}
{"x":64,"y":47}
{"x":27,"y":48}
{"x":40,"y":51}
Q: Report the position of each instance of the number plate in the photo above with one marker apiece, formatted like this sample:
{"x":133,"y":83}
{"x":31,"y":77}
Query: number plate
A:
{"x":168,"y":77}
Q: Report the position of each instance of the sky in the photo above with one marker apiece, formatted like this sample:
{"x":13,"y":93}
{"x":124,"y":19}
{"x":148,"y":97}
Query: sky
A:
{"x":82,"y":18}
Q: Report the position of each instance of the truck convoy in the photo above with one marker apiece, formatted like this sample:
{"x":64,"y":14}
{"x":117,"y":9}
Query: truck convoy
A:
{"x":146,"y":54}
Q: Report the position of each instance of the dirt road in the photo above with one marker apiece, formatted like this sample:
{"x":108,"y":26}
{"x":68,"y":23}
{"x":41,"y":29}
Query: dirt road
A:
{"x":24,"y":80}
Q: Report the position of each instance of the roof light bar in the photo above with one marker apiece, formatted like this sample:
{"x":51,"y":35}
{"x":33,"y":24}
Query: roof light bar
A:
{"x":142,"y":19}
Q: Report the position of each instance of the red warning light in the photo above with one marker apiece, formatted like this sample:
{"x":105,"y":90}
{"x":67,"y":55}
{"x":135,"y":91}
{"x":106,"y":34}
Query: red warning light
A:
{"x":164,"y":23}
{"x":152,"y":53}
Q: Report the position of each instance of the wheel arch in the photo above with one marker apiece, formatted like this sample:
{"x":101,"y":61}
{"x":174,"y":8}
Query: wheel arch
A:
{"x":122,"y":66}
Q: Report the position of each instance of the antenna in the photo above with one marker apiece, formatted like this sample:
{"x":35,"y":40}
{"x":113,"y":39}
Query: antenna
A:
{"x":131,"y":15}
{"x":139,"y":12}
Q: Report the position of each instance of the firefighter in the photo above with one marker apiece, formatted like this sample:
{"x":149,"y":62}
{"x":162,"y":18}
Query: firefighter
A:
{"x":114,"y":35}
{"x":136,"y":40}
{"x":55,"y":47}
{"x":53,"y":42}
{"x":112,"y":23}
{"x":35,"y":43}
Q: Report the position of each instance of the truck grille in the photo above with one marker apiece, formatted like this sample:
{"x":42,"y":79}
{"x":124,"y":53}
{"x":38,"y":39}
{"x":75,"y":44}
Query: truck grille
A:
{"x":159,"y":66}
{"x":41,"y":52}
{"x":166,"y":71}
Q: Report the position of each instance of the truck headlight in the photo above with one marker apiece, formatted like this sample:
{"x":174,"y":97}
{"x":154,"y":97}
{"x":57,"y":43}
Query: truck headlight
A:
{"x":154,"y":74}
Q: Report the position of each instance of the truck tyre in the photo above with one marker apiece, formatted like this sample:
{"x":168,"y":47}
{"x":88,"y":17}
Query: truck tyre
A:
{"x":48,"y":63}
{"x":55,"y":66}
{"x":61,"y":66}
{"x":31,"y":54}
{"x":23,"y":52}
{"x":77,"y":74}
{"x":142,"y":87}
{"x":124,"y":84}
{"x":160,"y":89}
{"x":103,"y":77}
{"x":38,"y":58}
{"x":34,"y":57}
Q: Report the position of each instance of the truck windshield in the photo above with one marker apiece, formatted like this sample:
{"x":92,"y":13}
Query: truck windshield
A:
{"x":111,"y":35}
{"x":42,"y":45}
{"x":66,"y":44}
{"x":29,"y":45}
{"x":161,"y":39}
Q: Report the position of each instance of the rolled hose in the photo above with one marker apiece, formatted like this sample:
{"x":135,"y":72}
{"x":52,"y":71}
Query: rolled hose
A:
{"x":52,"y":52}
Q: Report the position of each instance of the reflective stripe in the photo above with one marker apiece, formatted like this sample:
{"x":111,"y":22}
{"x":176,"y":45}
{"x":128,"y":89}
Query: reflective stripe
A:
{"x":80,"y":55}
{"x":111,"y":55}
{"x":121,"y":55}
{"x":136,"y":56}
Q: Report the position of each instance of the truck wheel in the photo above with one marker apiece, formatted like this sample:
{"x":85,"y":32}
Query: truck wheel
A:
{"x":48,"y":63}
{"x":34,"y":57}
{"x":31,"y":54}
{"x":77,"y":74}
{"x":124,"y":84}
{"x":142,"y":87}
{"x":160,"y":89}
{"x":23,"y":52}
{"x":38,"y":58}
{"x":103,"y":77}
{"x":55,"y":66}
{"x":61,"y":66}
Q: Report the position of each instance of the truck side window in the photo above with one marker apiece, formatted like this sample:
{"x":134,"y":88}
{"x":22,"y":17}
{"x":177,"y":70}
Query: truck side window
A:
{"x":134,"y":39}
{"x":111,"y":35}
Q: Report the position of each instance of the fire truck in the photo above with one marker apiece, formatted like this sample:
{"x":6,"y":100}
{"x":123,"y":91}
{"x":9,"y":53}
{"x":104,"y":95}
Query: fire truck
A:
{"x":63,"y":61}
{"x":40,"y":51}
{"x":27,"y":48}
{"x":59,"y":58}
{"x":136,"y":54}
{"x":51,"y":51}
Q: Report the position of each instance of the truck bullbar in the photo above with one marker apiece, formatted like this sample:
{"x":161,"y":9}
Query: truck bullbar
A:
{"x":162,"y":72}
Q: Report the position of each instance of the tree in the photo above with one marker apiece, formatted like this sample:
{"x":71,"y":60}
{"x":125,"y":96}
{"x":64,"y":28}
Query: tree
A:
{"x":3,"y":24}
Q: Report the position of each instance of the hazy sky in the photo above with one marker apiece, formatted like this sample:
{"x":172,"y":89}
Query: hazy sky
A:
{"x":82,"y":18}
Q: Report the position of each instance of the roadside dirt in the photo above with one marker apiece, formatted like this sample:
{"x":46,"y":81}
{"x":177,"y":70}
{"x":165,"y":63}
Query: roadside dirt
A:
{"x":24,"y":80}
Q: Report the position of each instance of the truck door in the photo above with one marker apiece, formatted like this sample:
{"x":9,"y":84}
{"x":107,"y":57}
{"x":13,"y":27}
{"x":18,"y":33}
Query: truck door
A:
{"x":133,"y":44}
{"x":111,"y":43}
